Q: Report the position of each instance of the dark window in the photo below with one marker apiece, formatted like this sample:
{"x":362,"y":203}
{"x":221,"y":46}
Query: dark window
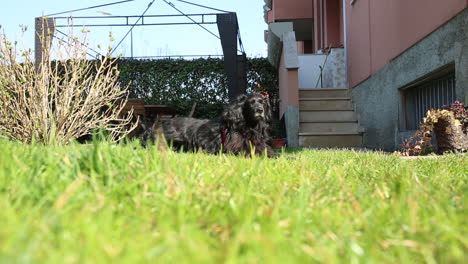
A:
{"x":433,"y":92}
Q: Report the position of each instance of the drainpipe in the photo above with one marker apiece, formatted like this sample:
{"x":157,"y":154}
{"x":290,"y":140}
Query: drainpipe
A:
{"x":322,"y":24}
{"x":345,"y":41}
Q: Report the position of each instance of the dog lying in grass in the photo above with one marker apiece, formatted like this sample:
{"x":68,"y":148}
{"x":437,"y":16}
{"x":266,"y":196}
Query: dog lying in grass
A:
{"x":242,"y":129}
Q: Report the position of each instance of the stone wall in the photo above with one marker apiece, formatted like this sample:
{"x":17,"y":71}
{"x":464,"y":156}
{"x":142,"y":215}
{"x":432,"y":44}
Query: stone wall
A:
{"x":378,"y":99}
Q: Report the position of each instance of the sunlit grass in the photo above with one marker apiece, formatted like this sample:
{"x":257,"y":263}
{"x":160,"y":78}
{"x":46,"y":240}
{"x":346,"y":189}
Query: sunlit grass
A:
{"x":102,"y":203}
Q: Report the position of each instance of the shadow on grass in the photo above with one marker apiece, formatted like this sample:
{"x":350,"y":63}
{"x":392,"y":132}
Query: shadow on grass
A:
{"x":289,"y":150}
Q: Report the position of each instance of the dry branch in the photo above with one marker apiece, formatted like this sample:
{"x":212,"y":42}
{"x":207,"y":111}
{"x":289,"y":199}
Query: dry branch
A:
{"x":63,"y":98}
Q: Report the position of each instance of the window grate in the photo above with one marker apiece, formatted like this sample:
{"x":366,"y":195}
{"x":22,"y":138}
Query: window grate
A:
{"x":431,"y":94}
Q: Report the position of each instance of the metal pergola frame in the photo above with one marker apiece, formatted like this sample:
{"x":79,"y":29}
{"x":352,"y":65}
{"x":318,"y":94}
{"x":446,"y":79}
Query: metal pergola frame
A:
{"x":128,"y":23}
{"x":235,"y":64}
{"x":142,"y":23}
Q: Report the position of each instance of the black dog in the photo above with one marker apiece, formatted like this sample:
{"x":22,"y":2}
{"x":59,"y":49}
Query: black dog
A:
{"x":243,"y":126}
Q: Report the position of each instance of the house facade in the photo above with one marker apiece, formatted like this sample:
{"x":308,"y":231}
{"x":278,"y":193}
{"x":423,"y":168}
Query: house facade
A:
{"x":358,"y":73}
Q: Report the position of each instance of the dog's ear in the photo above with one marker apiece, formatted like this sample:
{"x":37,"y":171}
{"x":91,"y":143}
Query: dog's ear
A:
{"x":233,"y":113}
{"x":142,"y":124}
{"x":267,"y":109}
{"x":265,"y":126}
{"x":241,"y":99}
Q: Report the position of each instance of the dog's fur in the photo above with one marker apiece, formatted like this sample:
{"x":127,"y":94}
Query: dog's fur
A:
{"x":242,"y":127}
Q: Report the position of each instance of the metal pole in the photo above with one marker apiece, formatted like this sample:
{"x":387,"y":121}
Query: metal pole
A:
{"x":131,"y":43}
{"x":44,"y":31}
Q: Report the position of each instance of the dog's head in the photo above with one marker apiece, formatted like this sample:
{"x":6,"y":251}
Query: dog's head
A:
{"x":256,"y":107}
{"x":248,"y":110}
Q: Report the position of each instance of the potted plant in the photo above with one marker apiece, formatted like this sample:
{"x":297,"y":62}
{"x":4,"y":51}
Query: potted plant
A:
{"x":278,"y":143}
{"x":450,"y":126}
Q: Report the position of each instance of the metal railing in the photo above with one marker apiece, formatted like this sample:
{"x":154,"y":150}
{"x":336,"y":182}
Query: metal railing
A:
{"x":430,"y":94}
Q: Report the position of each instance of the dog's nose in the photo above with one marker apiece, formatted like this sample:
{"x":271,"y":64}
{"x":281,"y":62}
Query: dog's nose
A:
{"x":259,"y":110}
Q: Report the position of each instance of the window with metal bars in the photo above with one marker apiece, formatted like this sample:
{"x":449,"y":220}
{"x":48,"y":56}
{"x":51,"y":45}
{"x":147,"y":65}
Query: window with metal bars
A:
{"x":432,"y":92}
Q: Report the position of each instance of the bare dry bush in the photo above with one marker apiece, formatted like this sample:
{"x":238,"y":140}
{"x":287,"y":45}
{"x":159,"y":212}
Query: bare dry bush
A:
{"x":64,"y":97}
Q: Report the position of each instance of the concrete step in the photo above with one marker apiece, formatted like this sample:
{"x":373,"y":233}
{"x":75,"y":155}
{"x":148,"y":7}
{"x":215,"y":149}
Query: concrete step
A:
{"x":330,"y":140}
{"x":327,"y":119}
{"x":327,"y":116}
{"x":313,"y":127}
{"x":323,"y":92}
{"x":316,"y":104}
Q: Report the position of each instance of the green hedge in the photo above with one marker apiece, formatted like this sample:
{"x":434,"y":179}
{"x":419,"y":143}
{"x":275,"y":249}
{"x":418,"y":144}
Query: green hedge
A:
{"x":180,"y":83}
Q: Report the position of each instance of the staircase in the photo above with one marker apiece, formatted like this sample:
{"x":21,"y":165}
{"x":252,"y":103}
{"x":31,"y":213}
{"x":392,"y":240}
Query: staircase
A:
{"x":327,"y":119}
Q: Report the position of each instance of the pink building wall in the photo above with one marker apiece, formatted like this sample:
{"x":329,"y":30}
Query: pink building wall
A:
{"x":380,"y":30}
{"x":290,"y":10}
{"x":328,"y":24}
{"x":288,"y":86}
{"x":283,"y":85}
{"x":333,"y":23}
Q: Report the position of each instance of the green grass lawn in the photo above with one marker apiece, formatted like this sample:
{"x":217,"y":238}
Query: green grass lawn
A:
{"x":125,"y":204}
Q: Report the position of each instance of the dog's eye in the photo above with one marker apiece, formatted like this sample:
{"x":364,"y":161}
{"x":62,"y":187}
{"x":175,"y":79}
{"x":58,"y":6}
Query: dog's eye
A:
{"x":260,"y":101}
